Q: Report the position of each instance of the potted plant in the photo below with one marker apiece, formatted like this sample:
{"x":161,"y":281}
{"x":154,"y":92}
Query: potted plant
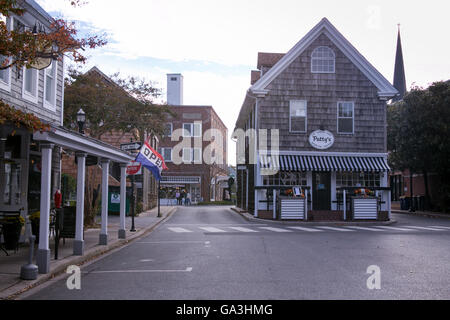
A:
{"x":12,"y":226}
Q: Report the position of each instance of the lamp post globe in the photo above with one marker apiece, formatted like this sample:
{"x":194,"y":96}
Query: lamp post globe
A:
{"x":81,"y":120}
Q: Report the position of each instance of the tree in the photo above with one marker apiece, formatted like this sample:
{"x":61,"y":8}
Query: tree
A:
{"x":112,"y":104}
{"x":418,"y":127}
{"x":24,"y":47}
{"x":28,"y":45}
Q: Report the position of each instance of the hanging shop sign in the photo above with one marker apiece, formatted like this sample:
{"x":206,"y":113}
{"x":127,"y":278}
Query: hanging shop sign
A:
{"x":321,"y":139}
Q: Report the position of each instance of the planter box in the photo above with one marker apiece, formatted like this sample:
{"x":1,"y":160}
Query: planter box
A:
{"x":292,"y":208}
{"x":365,"y":208}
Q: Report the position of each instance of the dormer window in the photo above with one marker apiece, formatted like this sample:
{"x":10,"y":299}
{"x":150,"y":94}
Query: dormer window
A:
{"x":322,"y":60}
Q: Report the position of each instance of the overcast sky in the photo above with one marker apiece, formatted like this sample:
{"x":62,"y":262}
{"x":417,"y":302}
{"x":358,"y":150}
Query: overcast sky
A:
{"x":214,"y":44}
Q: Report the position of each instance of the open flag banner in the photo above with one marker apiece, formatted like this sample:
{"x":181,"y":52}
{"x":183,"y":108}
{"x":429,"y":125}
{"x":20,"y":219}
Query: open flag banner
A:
{"x":151,"y":160}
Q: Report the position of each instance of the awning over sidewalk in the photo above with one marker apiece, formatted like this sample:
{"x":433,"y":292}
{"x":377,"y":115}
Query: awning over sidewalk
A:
{"x":323,"y":163}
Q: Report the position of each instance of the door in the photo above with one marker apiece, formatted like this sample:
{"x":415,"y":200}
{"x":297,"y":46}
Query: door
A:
{"x":321,"y":191}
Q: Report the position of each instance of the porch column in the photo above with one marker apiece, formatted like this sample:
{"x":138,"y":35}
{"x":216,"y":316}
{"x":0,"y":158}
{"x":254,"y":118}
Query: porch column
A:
{"x":78,"y":243}
{"x":43,"y":253}
{"x":104,"y":229}
{"x":274,"y":204}
{"x":123,"y":199}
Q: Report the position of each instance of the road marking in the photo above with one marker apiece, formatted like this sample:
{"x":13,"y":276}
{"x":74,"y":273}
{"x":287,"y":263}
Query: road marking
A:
{"x":336,"y":229}
{"x":173,"y":242}
{"x":305,"y":229}
{"x":364,"y":228}
{"x":424,"y":228}
{"x":440,"y":227}
{"x":394,"y":228}
{"x":179,"y":230}
{"x":242,"y":229}
{"x":146,"y":260}
{"x":188,"y":269}
{"x":275,"y":229}
{"x":212,"y":229}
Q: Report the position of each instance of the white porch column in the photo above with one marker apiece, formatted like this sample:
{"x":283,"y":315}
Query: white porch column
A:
{"x":274,"y":204}
{"x":78,"y":243}
{"x":123,"y":199}
{"x":43,"y":253}
{"x":104,"y":228}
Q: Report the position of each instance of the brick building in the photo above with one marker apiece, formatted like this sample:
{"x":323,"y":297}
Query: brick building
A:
{"x":194,"y":148}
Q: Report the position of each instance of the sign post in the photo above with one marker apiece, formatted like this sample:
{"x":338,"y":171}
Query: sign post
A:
{"x":132,"y":169}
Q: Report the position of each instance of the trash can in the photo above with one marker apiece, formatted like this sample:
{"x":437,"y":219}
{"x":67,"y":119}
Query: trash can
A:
{"x":404,"y":203}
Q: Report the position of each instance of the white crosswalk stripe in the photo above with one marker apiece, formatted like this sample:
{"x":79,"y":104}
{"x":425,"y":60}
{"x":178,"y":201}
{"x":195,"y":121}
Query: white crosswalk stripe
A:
{"x":394,"y":228}
{"x":212,"y":229}
{"x":242,"y":229}
{"x":365,"y":228}
{"x":425,"y":228}
{"x":275,"y":229}
{"x":256,"y":228}
{"x":305,"y":229}
{"x":440,"y":227}
{"x":336,"y":229}
{"x":179,"y":230}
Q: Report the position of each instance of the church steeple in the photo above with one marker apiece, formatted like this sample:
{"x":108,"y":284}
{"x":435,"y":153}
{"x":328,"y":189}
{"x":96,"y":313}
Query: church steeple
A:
{"x":399,"y":71}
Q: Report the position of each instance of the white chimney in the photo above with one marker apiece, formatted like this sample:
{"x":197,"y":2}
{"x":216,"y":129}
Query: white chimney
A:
{"x":175,"y":89}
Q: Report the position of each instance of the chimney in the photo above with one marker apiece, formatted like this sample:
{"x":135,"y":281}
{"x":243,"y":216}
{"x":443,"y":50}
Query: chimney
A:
{"x":175,"y":89}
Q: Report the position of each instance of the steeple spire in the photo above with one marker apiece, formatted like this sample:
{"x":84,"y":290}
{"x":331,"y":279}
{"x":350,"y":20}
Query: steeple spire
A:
{"x":399,"y":70}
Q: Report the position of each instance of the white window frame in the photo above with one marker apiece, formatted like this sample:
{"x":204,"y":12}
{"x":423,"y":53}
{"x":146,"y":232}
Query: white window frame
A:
{"x":163,"y":150}
{"x":323,"y":59}
{"x":187,"y":151}
{"x":192,"y":129}
{"x":52,"y":104}
{"x":30,"y":96}
{"x":171,"y":129}
{"x":306,"y":116}
{"x":6,"y":85}
{"x":353,"y":117}
{"x":199,"y":160}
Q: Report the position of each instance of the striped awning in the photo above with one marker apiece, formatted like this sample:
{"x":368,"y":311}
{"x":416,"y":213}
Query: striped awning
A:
{"x":323,"y":163}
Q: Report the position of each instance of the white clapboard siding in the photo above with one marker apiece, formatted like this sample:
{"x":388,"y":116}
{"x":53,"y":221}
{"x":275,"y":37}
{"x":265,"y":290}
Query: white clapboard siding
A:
{"x":292,"y":208}
{"x":365,"y":208}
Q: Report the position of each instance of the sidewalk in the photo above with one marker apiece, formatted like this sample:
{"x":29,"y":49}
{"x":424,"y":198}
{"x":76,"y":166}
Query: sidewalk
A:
{"x":10,"y":282}
{"x":249,"y":217}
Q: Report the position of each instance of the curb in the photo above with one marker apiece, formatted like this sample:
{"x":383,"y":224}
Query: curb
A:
{"x":423,"y":214}
{"x":24,"y":285}
{"x":249,"y":217}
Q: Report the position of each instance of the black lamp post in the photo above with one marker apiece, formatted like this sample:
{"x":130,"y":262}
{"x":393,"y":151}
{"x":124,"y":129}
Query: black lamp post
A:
{"x":81,"y":120}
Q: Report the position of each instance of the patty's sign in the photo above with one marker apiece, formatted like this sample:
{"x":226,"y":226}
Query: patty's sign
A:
{"x":321,"y":139}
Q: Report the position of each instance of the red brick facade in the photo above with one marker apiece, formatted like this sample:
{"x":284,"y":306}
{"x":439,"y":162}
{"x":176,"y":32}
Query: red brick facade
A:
{"x":201,"y":169}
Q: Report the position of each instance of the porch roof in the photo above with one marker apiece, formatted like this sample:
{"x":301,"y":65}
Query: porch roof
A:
{"x":78,"y":142}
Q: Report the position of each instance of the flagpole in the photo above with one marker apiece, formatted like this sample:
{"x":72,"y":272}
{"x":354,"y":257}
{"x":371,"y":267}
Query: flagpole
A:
{"x":159,"y":197}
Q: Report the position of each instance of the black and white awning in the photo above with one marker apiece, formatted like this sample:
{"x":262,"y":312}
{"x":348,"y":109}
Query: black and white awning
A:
{"x":323,"y":163}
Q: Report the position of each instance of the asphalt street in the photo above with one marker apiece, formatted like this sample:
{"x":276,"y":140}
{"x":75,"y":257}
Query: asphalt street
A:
{"x":212,"y":253}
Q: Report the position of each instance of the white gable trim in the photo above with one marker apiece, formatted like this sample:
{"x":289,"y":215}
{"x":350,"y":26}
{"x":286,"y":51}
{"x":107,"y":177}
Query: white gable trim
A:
{"x":385,"y":89}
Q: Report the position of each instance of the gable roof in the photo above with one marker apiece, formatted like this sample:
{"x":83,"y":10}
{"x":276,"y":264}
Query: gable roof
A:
{"x":385,"y":89}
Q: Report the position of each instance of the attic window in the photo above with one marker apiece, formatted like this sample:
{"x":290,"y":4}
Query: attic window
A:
{"x":173,"y":79}
{"x":322,"y":60}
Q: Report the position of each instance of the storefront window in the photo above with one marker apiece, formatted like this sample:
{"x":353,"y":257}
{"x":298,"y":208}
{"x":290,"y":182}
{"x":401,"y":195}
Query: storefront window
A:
{"x":286,"y":179}
{"x":358,"y":179}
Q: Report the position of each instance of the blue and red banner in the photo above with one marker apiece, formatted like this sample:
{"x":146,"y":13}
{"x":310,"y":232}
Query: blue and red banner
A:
{"x":151,"y":160}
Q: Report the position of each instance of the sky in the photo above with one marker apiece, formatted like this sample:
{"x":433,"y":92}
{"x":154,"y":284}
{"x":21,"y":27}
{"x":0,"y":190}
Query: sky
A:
{"x":215,"y":44}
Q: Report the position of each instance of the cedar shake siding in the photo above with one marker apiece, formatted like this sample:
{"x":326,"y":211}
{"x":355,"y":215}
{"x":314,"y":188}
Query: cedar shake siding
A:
{"x":323,"y":91}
